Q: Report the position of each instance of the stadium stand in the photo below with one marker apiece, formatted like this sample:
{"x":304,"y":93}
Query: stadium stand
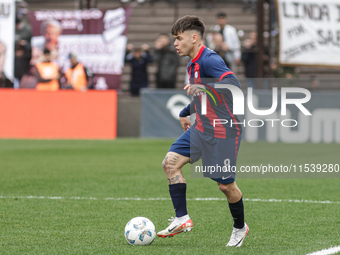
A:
{"x":149,"y":20}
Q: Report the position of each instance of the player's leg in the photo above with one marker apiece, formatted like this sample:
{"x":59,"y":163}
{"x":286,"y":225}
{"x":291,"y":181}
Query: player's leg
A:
{"x":234,"y":196}
{"x":175,"y":159}
{"x":231,"y":191}
{"x":225,"y":152}
{"x":172,"y":165}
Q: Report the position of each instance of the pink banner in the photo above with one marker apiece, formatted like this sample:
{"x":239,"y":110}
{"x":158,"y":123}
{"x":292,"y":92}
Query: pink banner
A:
{"x":97,"y":37}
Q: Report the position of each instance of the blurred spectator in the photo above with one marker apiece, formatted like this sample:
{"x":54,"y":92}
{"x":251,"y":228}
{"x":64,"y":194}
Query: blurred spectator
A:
{"x":4,"y":81}
{"x":287,"y":72}
{"x":230,"y":36}
{"x":47,"y":74}
{"x":167,"y":62}
{"x":249,"y":4}
{"x":249,"y":58}
{"x":23,"y":31}
{"x":139,"y":58}
{"x":22,"y":59}
{"x":77,"y":76}
{"x":219,"y":46}
{"x":51,"y":30}
{"x":35,"y":56}
{"x":315,"y":82}
{"x":29,"y":80}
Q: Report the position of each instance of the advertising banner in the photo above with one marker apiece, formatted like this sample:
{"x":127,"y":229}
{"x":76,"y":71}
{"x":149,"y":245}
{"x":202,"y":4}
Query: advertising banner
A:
{"x":30,"y":114}
{"x":285,"y":115}
{"x":309,"y":32}
{"x":97,"y":37}
{"x":7,"y":28}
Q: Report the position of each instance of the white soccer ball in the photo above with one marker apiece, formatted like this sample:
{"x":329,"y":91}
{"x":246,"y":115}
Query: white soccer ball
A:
{"x":140,"y":231}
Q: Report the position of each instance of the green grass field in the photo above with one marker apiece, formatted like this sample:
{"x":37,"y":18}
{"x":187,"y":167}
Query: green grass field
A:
{"x":62,"y":197}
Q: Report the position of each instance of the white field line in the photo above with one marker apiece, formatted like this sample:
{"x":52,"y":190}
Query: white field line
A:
{"x":161,"y":198}
{"x":329,"y":251}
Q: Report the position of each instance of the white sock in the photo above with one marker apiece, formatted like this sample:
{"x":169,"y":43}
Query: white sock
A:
{"x":183,"y":219}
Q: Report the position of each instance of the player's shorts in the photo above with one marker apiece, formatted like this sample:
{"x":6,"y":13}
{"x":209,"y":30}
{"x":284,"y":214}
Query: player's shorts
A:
{"x":216,"y":153}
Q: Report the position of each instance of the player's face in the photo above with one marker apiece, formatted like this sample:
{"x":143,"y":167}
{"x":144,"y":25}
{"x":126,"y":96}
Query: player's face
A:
{"x":183,"y":43}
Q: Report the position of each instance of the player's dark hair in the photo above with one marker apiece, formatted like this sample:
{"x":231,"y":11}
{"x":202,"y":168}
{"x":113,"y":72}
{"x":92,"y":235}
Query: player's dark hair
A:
{"x":221,"y":15}
{"x":188,"y":23}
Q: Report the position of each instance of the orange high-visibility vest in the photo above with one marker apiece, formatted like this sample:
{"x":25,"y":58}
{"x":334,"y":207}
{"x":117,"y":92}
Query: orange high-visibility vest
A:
{"x":48,"y":70}
{"x":76,"y":77}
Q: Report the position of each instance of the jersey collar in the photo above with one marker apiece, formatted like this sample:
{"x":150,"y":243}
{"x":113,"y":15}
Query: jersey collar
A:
{"x":199,"y":54}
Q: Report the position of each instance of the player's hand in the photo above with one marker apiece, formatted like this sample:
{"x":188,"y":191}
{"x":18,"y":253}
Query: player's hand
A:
{"x":185,"y":123}
{"x":193,"y":89}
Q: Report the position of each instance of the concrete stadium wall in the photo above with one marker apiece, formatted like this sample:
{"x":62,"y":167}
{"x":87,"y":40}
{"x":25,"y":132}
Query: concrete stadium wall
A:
{"x":129,"y":116}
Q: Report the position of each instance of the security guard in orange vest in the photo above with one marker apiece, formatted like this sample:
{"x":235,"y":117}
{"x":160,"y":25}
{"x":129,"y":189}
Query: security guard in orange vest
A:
{"x":77,"y":76}
{"x":47,"y":74}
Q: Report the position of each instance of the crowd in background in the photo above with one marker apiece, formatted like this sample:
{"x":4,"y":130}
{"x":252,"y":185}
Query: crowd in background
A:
{"x":222,"y":37}
{"x":209,"y":4}
{"x":36,"y":67}
{"x":165,"y":57}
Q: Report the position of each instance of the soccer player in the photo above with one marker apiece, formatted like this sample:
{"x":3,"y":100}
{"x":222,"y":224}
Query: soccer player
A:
{"x":215,"y":144}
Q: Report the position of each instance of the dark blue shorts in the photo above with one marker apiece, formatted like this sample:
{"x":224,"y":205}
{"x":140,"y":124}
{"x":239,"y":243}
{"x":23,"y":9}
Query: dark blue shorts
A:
{"x":218,"y":155}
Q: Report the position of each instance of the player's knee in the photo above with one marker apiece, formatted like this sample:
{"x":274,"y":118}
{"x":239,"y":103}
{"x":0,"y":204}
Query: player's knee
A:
{"x":165,"y":163}
{"x":225,"y":188}
{"x":169,"y":163}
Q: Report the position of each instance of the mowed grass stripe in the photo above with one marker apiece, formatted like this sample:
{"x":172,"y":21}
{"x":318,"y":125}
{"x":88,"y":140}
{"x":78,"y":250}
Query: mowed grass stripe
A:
{"x":131,"y":168}
{"x":273,"y":200}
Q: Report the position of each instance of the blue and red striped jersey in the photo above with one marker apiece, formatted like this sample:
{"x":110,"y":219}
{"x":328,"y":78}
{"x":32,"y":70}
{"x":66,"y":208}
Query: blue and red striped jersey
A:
{"x":208,"y":68}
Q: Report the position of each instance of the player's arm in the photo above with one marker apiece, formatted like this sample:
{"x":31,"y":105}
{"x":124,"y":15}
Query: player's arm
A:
{"x":183,"y":116}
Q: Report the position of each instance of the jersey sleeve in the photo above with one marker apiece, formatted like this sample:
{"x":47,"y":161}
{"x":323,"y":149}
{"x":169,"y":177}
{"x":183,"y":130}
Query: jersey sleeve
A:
{"x":215,"y":67}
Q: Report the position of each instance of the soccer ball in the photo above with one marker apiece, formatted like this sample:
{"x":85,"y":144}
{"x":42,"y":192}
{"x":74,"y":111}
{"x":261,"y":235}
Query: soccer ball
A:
{"x":140,"y":231}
